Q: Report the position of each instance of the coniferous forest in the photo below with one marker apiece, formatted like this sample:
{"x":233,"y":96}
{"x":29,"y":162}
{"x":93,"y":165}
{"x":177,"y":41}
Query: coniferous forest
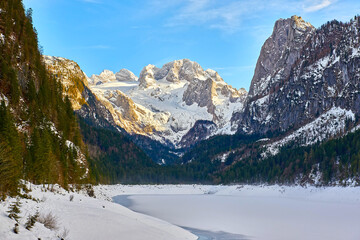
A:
{"x":32,"y":107}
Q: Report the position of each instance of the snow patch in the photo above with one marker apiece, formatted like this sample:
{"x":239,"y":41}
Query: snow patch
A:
{"x":4,"y":98}
{"x":2,"y":38}
{"x":84,"y":217}
{"x":81,"y":158}
{"x":327,"y":125}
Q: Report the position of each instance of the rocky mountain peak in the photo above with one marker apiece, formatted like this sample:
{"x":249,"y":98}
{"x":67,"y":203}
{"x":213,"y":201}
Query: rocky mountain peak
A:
{"x":125,"y":75}
{"x":279,"y":53}
{"x":72,"y":78}
{"x":300,"y":23}
{"x":174,"y":72}
{"x":147,"y":74}
{"x":178,"y":104}
{"x":311,"y":73}
{"x":106,"y":76}
{"x":214,"y":75}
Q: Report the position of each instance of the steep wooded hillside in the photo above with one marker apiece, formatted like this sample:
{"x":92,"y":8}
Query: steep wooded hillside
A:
{"x":40,"y":139}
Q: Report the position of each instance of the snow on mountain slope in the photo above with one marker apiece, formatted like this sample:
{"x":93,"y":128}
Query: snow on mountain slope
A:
{"x":165,"y":103}
{"x":108,"y":76}
{"x":83,"y":217}
{"x":279,"y":53}
{"x":327,"y":125}
{"x":301,"y":73}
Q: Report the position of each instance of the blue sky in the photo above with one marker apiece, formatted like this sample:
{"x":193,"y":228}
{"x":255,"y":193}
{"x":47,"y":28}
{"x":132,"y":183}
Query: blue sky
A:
{"x":225,"y":35}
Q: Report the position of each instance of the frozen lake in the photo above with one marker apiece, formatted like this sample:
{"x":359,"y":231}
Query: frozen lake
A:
{"x":268,"y":214}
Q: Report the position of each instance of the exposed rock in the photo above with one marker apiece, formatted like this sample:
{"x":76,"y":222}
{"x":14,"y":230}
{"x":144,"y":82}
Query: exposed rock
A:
{"x":315,"y":71}
{"x":201,"y":130}
{"x":147,"y":78}
{"x":279,"y":53}
{"x":72,"y":78}
{"x":201,"y":92}
{"x":125,"y":75}
{"x":75,"y":85}
{"x":104,"y":77}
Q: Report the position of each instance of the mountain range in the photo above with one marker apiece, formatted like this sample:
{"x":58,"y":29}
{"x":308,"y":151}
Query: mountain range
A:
{"x":297,"y":124}
{"x":304,"y":87}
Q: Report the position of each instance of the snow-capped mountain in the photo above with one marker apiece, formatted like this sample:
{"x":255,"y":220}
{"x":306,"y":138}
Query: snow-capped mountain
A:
{"x":305,"y":78}
{"x":165,"y":103}
{"x":107,"y":76}
{"x":303,"y":74}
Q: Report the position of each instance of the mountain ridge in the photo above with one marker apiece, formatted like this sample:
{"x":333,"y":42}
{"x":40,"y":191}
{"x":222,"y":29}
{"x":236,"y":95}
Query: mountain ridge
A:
{"x":303,"y":93}
{"x":179,"y":85}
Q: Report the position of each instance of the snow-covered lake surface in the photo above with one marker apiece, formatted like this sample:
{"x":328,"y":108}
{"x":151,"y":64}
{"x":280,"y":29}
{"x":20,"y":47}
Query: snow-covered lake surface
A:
{"x":180,"y":212}
{"x":251,"y":212}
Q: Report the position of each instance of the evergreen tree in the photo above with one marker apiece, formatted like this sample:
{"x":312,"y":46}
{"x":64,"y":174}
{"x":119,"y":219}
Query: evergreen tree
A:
{"x":10,"y":153}
{"x":31,"y":220}
{"x":14,"y":210}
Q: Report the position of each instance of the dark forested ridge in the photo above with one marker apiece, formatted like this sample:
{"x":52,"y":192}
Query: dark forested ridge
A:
{"x":334,"y":162}
{"x":114,"y":158}
{"x":36,"y":123}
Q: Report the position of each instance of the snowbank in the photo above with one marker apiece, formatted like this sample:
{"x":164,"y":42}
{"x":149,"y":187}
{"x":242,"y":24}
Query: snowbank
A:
{"x":84,"y":218}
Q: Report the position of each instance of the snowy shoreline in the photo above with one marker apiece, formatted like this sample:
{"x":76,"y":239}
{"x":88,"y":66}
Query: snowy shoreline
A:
{"x":86,"y":217}
{"x":250,"y":212}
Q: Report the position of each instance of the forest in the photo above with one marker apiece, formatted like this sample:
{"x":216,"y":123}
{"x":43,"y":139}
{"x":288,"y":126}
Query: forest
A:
{"x":32,"y":107}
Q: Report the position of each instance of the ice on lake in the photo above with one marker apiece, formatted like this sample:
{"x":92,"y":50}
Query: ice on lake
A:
{"x":267,"y":214}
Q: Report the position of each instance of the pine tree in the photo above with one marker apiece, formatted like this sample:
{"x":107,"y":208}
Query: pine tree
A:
{"x":10,"y":153}
{"x":31,"y":220}
{"x":14,"y":210}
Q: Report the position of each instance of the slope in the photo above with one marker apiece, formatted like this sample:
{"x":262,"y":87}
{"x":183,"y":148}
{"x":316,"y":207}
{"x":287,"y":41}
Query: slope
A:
{"x":40,"y":139}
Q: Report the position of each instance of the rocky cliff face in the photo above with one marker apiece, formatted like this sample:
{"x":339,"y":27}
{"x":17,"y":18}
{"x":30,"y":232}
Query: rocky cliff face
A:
{"x":279,"y":53}
{"x":75,"y":86}
{"x":302,"y":73}
{"x":72,"y":78}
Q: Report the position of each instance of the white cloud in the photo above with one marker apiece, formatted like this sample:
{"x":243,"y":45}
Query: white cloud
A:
{"x":319,"y":6}
{"x":214,"y":14}
{"x":230,"y":16}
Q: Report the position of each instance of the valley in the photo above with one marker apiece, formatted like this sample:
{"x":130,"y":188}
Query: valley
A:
{"x":187,"y":155}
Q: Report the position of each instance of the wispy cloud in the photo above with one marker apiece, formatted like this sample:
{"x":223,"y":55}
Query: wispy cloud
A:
{"x":224,"y":16}
{"x":229,"y":16}
{"x":318,"y":6}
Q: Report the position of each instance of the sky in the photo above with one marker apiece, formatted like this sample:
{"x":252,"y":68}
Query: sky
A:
{"x":224,"y":35}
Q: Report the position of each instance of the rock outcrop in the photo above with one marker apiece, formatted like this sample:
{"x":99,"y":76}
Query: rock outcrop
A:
{"x":75,"y":86}
{"x":309,"y":73}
